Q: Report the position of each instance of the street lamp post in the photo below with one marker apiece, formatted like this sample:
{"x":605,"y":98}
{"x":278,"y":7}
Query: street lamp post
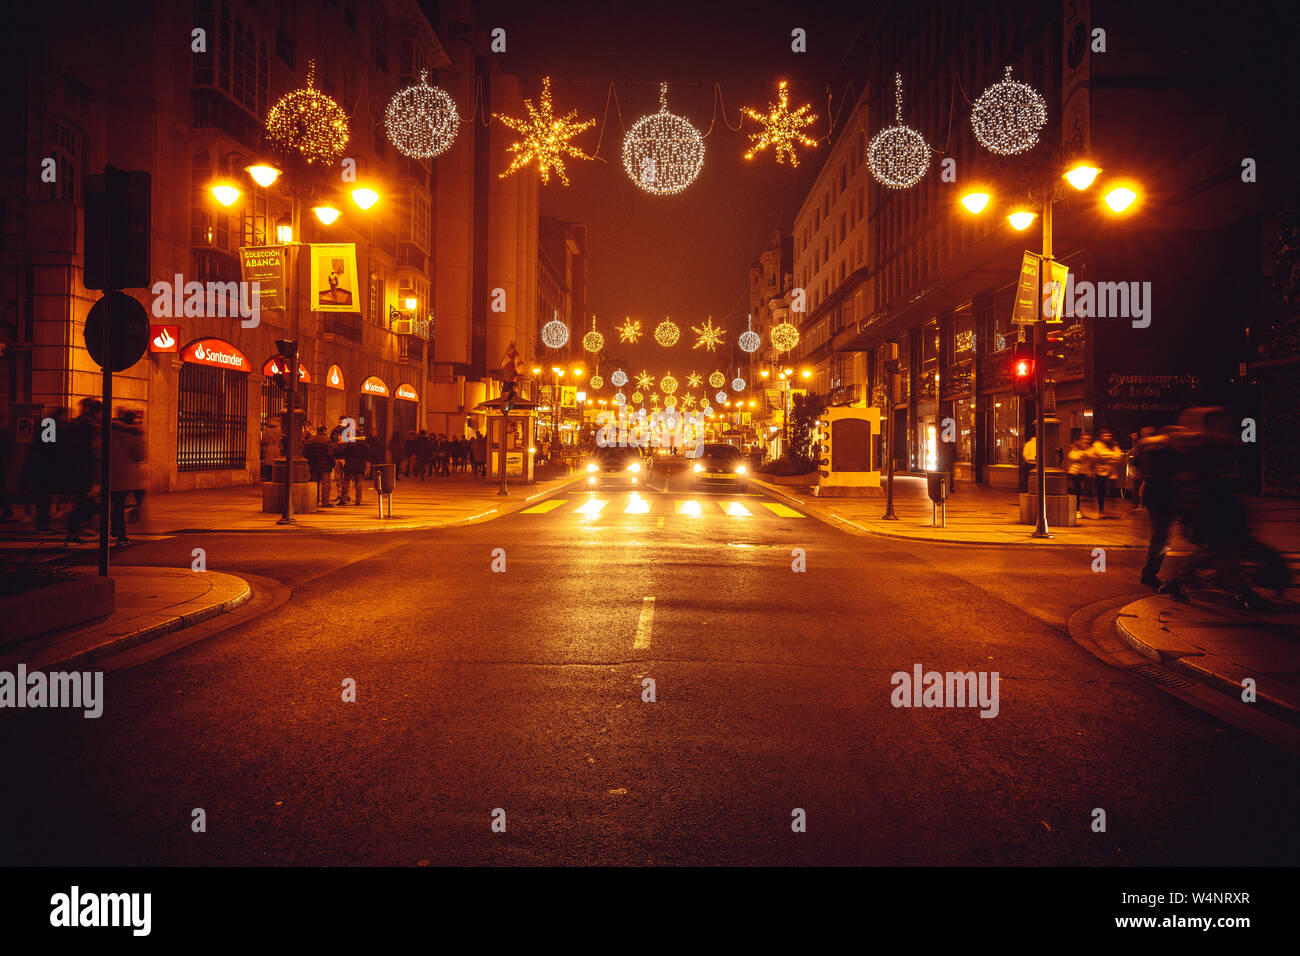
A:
{"x":891,"y":369}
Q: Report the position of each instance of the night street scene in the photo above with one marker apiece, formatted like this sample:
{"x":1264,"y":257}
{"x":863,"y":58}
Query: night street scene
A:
{"x":849,"y":450}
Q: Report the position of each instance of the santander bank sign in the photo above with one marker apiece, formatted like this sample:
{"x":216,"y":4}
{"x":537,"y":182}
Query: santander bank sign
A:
{"x":217,"y":353}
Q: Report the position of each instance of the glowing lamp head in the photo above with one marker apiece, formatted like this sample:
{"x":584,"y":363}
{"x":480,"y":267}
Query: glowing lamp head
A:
{"x":284,"y":233}
{"x":975,"y":202}
{"x":225,"y":193}
{"x":263,"y":173}
{"x":364,"y":197}
{"x":1081,"y":176}
{"x":1021,"y":220}
{"x":807,"y":374}
{"x":1120,"y":198}
{"x":411,"y":303}
{"x":326,"y":214}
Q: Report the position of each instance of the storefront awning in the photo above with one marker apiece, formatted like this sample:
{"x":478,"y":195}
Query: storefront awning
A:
{"x":406,"y":393}
{"x":374,"y":385}
{"x":217,"y":353}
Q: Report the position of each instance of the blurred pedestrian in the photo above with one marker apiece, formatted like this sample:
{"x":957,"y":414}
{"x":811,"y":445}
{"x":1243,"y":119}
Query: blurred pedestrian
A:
{"x":410,"y":448}
{"x":1078,"y":467}
{"x":1159,"y":461}
{"x":478,"y":453}
{"x":81,"y":467}
{"x":356,"y":457}
{"x":125,"y":475}
{"x":1105,"y":456}
{"x":44,"y":474}
{"x":320,"y":454}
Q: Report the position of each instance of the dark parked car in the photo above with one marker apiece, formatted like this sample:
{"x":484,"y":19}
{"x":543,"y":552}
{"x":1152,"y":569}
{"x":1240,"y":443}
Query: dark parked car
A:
{"x":722,"y":467}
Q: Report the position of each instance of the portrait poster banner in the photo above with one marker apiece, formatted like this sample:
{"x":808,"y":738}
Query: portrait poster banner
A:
{"x":334,"y":281}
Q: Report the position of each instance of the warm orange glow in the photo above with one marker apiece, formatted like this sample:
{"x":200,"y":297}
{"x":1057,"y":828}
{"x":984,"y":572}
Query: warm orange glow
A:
{"x":411,"y":303}
{"x":284,"y":233}
{"x":326,"y":214}
{"x":1120,"y":198}
{"x":807,"y":374}
{"x":364,"y":197}
{"x":1082,"y":175}
{"x":225,"y":193}
{"x":975,"y":202}
{"x":1021,"y":220}
{"x":263,"y":173}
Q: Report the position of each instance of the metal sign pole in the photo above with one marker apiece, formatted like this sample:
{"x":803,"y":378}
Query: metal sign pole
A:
{"x":111,"y":186}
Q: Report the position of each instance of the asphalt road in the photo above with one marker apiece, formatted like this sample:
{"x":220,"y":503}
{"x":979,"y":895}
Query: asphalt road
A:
{"x":522,"y":690}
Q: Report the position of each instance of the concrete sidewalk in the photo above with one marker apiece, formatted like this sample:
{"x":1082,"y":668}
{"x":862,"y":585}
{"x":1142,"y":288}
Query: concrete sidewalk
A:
{"x":981,"y":515}
{"x":1213,"y":641}
{"x":150,"y":602}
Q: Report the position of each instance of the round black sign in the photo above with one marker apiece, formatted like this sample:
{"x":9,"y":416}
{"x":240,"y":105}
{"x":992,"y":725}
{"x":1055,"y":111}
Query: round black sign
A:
{"x":128,"y":336}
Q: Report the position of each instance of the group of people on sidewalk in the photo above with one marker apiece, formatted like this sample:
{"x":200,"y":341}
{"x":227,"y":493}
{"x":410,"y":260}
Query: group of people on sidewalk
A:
{"x":1095,"y":466}
{"x":62,"y":473}
{"x":347,"y":460}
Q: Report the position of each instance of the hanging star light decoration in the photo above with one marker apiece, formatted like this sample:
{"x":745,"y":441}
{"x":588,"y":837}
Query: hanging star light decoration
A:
{"x":630,"y":330}
{"x":708,"y":336}
{"x":546,"y":137}
{"x":593,"y":341}
{"x":717,"y":379}
{"x":654,"y":399}
{"x":898,"y":156}
{"x":309,"y":123}
{"x":645,"y":380}
{"x":782,"y":128}
{"x":693,"y":380}
{"x":667,"y":333}
{"x":688,"y":401}
{"x":1008,"y":116}
{"x":749,"y":340}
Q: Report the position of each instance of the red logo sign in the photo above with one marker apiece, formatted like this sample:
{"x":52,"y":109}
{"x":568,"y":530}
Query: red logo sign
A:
{"x":217,"y":353}
{"x":275,"y":365}
{"x":164,"y":338}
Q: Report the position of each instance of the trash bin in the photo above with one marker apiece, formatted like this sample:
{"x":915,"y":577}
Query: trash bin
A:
{"x":385,"y":478}
{"x":937,"y":485}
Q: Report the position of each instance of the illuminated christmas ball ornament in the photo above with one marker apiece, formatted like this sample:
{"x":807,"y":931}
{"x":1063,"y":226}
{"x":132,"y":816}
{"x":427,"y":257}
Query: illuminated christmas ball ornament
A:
{"x":749,"y":340}
{"x":620,"y":398}
{"x":593,"y":341}
{"x":898,"y":155}
{"x":619,"y":378}
{"x":545,"y":137}
{"x":421,"y":120}
{"x":738,"y":383}
{"x":637,"y":398}
{"x":662,"y":152}
{"x":670,"y":401}
{"x":1008,"y":116}
{"x":668,"y":384}
{"x":720,"y":397}
{"x":667,"y":333}
{"x":717,"y":380}
{"x":555,"y":333}
{"x":784,"y":336}
{"x":309,"y":123}
{"x":705,"y":407}
{"x":596,"y":381}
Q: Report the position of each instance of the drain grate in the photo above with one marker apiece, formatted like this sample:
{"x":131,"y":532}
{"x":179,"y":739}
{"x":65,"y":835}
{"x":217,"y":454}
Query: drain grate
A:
{"x":1158,"y":674}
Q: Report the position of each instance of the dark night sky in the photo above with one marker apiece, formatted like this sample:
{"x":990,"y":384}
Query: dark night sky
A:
{"x":686,"y":255}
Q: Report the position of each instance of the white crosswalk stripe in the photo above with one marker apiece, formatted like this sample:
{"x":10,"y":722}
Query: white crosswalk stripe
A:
{"x":636,"y":504}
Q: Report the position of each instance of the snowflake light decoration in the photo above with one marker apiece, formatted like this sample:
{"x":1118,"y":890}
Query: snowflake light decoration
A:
{"x":619,"y":378}
{"x":645,"y":380}
{"x":708,"y":336}
{"x":693,"y":380}
{"x":667,"y":333}
{"x":749,"y":340}
{"x":593,"y":341}
{"x":898,"y":155}
{"x":1008,"y":116}
{"x":668,"y":384}
{"x":782,"y":128}
{"x":688,"y":401}
{"x":630,"y":330}
{"x":545,"y":137}
{"x":717,"y":379}
{"x":654,"y":399}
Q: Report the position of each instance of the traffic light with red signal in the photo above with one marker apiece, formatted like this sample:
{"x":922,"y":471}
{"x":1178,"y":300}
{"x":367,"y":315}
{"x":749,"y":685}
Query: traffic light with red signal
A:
{"x":1024,"y":370}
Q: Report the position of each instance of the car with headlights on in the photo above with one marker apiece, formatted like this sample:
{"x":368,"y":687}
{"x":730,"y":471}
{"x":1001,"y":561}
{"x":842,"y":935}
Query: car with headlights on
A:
{"x":615,"y":467}
{"x":720,"y":466}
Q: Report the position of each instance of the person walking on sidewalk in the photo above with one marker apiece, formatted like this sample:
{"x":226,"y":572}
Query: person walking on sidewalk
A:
{"x":319,"y":452}
{"x":80,"y":467}
{"x":1078,"y":465}
{"x":478,"y":453}
{"x":356,"y":458}
{"x":1105,"y":456}
{"x":410,"y":450}
{"x":397,"y":451}
{"x":124,"y":471}
{"x":1159,"y":463}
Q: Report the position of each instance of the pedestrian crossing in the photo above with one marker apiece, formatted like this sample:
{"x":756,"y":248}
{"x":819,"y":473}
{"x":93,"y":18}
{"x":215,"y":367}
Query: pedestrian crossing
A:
{"x":598,"y":506}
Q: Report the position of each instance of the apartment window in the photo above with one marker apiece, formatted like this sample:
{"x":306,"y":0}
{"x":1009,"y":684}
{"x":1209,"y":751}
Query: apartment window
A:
{"x":65,"y":147}
{"x":209,"y":225}
{"x":379,"y":41}
{"x":375,"y":300}
{"x":236,"y":60}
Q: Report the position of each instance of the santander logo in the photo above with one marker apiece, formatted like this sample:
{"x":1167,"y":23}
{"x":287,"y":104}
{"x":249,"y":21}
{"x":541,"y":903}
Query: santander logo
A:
{"x":215,"y":352}
{"x":163,"y":340}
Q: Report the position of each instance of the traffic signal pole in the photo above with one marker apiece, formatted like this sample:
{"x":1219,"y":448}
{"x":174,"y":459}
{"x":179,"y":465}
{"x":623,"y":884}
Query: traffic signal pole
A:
{"x":1040,"y":333}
